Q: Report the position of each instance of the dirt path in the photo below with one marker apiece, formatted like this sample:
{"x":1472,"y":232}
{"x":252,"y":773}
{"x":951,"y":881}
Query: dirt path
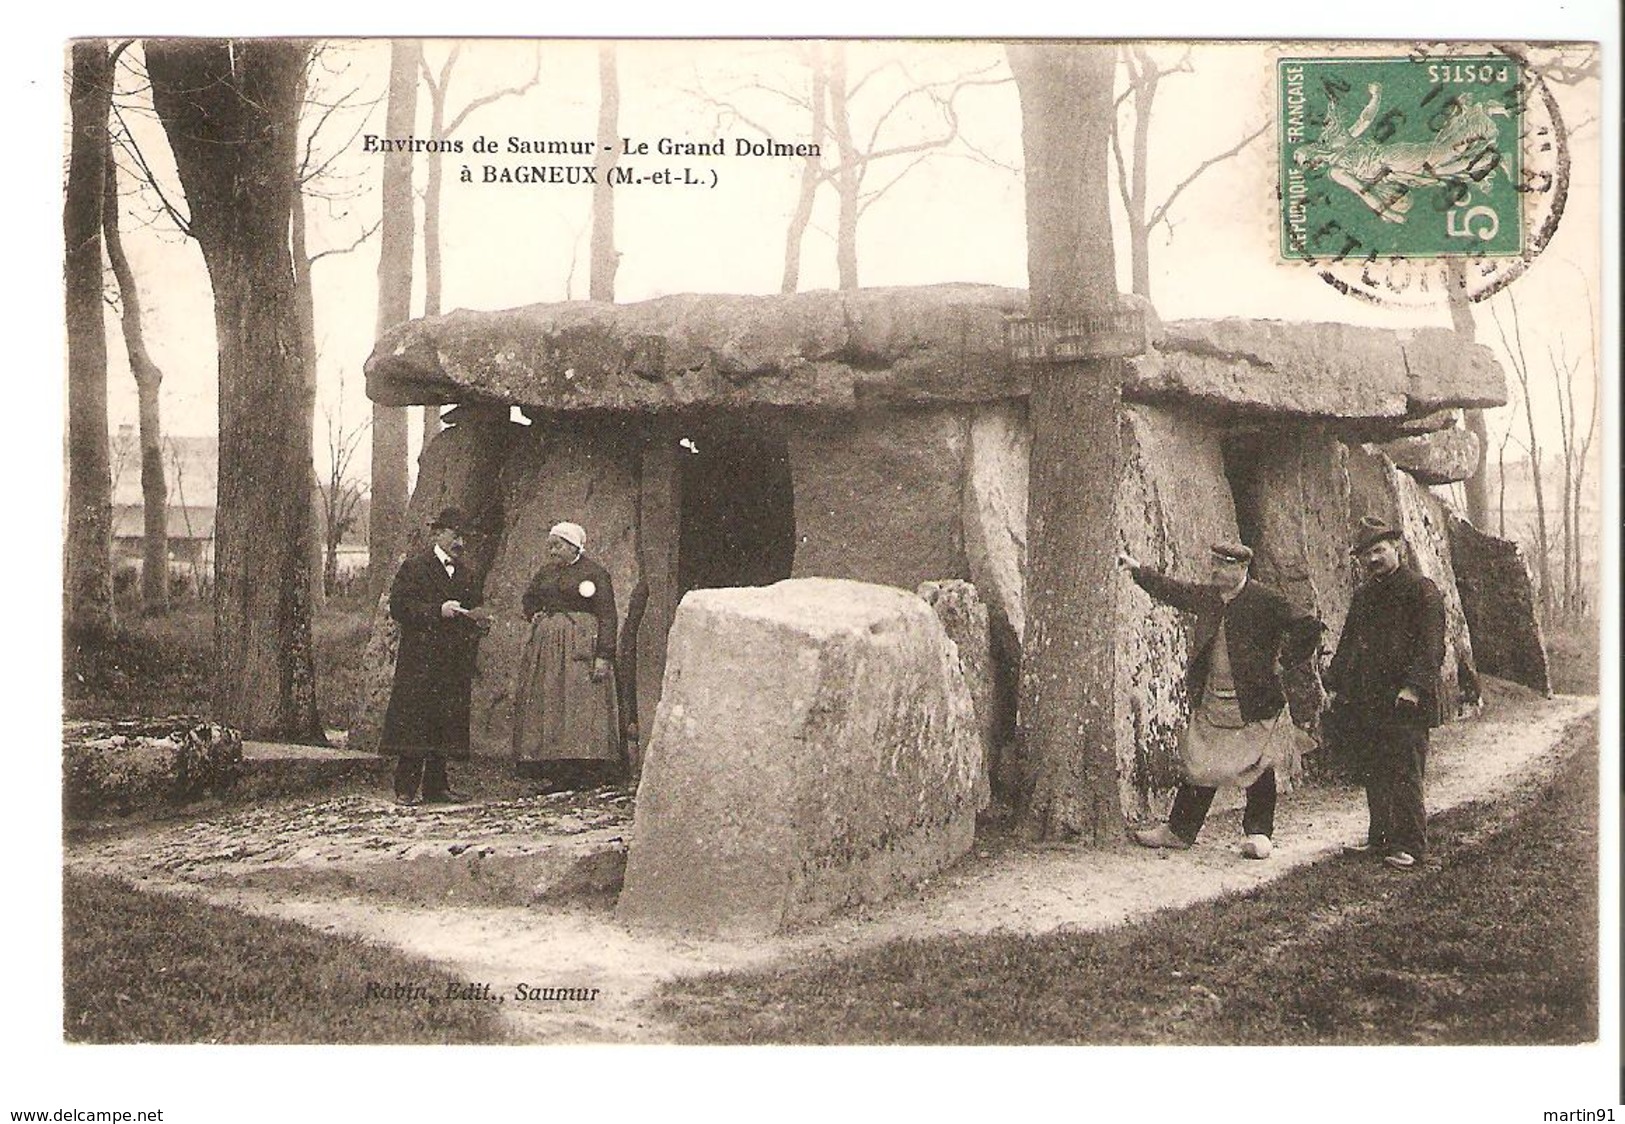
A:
{"x":1027,"y":889}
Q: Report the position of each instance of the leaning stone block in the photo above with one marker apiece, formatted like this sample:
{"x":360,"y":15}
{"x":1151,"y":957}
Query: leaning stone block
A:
{"x":1498,"y":600}
{"x":815,"y":746}
{"x":119,"y":767}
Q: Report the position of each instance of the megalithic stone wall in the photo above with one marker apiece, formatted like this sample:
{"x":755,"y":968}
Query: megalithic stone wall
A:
{"x":964,"y":619}
{"x":815,"y":747}
{"x":458,"y":468}
{"x":551,"y":475}
{"x":1379,"y":489}
{"x":1441,"y":457}
{"x":877,"y":496}
{"x":1303,"y":543}
{"x":1173,"y":503}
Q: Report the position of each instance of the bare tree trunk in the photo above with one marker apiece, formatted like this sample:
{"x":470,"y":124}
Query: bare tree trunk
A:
{"x":1501,"y":478}
{"x":1582,"y":587}
{"x":148,"y":378}
{"x":847,"y":177}
{"x":1542,"y":539}
{"x":1145,"y":96}
{"x":386,"y":523}
{"x":307,"y":354}
{"x":811,"y":172}
{"x":1066,"y":711}
{"x":604,"y":261}
{"x":230,"y":110}
{"x":1477,"y":486}
{"x":434,"y":176}
{"x":89,"y":554}
{"x":1565,"y":418}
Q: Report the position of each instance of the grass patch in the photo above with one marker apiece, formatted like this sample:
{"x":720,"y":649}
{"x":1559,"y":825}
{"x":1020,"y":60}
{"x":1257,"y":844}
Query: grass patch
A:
{"x":150,"y":666}
{"x":339,"y":639}
{"x":144,"y":667}
{"x":1494,"y":941}
{"x":147,"y":967}
{"x":1573,"y":654}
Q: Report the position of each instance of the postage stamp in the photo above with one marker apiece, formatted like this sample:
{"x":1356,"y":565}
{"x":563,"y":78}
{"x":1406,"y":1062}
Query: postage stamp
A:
{"x":1402,"y":175}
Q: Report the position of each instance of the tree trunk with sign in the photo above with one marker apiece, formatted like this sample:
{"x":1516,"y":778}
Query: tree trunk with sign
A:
{"x":1066,"y":712}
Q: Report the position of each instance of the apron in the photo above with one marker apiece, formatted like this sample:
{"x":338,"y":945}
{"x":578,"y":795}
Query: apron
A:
{"x":1219,"y":749}
{"x":559,"y":713}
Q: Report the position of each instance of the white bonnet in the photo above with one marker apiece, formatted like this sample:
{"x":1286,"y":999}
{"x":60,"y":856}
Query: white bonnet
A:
{"x":570,"y":533}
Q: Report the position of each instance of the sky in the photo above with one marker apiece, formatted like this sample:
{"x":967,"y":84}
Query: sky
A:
{"x":961,"y":222}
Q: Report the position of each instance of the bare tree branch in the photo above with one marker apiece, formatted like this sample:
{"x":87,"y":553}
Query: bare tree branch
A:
{"x":868,"y":197}
{"x":1160,"y":212}
{"x":126,"y":142}
{"x":497,"y":95}
{"x":355,"y":245}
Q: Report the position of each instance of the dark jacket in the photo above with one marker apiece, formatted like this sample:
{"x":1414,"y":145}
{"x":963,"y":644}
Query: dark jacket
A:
{"x":1393,"y":638}
{"x":557,"y":589}
{"x":428,"y":704}
{"x":1263,"y":631}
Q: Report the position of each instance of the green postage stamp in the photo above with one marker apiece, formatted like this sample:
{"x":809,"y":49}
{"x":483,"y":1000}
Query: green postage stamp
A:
{"x":1412,"y":157}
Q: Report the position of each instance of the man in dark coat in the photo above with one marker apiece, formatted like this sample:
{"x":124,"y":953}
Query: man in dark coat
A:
{"x":1385,"y":683}
{"x":437,"y":602}
{"x":1244,"y":633}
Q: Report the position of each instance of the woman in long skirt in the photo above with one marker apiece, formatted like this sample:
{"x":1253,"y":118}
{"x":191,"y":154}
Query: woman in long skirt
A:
{"x":566,"y":728}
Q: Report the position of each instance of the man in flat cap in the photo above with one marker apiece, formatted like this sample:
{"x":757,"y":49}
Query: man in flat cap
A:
{"x":437,"y":603}
{"x":1243,"y":634}
{"x":1385,"y":682}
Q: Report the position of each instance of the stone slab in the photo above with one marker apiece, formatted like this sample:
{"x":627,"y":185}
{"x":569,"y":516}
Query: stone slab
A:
{"x":1173,"y":503}
{"x":1498,"y":600}
{"x":521,"y":852}
{"x":1317,"y":370}
{"x":877,"y":498}
{"x":932,"y":344}
{"x":459,"y":467}
{"x":1442,"y":457}
{"x":1379,"y":489}
{"x":815,"y":747}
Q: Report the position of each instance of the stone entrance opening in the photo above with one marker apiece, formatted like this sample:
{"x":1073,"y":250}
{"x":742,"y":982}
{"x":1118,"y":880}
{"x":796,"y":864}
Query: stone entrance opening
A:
{"x":1242,"y":456}
{"x":737,"y":523}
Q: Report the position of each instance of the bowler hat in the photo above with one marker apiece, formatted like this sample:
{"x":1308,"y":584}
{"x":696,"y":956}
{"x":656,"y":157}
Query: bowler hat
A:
{"x":1232,"y":552}
{"x":1371,"y":532}
{"x":450,"y":518}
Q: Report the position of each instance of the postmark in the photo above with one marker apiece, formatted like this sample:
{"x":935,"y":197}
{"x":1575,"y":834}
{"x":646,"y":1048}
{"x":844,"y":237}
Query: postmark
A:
{"x":1405,"y":175}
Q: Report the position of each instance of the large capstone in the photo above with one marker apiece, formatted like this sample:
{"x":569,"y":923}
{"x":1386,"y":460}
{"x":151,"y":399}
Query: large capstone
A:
{"x":815,"y":747}
{"x":938,"y":344}
{"x":1331,"y":371}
